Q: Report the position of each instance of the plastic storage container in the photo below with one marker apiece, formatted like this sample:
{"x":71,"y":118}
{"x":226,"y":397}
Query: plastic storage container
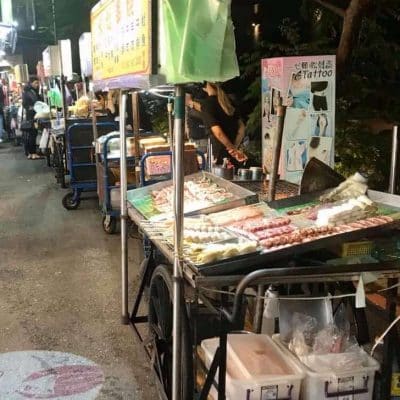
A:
{"x":257,"y":369}
{"x":355,"y":384}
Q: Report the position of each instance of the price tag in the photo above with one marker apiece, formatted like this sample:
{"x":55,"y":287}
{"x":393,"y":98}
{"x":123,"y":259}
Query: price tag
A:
{"x":396,"y":384}
{"x":346,"y":385}
{"x":269,"y":392}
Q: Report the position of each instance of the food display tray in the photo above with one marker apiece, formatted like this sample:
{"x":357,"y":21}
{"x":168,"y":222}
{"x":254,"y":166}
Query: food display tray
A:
{"x":242,"y":196}
{"x":284,"y":189}
{"x":389,"y":204}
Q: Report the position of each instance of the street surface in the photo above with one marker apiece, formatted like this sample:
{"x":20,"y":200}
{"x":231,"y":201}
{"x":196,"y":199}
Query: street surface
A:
{"x":60,"y":292}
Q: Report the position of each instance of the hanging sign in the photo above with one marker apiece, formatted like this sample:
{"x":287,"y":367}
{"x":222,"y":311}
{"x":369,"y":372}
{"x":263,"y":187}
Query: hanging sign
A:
{"x":52,"y":61}
{"x":121,"y":42}
{"x":306,"y":86}
{"x":85,"y":52}
{"x":66,"y":58}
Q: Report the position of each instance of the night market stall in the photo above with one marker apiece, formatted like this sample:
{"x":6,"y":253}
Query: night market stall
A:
{"x":218,"y":252}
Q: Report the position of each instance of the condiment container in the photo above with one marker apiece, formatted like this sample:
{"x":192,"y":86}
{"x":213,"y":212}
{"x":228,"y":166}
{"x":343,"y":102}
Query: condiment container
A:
{"x":223,"y":172}
{"x":256,"y":173}
{"x":244,"y":174}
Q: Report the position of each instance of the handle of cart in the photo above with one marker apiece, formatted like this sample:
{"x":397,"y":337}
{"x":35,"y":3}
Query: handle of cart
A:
{"x":106,"y":159}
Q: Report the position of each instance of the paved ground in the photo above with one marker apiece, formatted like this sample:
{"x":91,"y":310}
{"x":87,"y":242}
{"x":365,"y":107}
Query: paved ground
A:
{"x":60,"y":279}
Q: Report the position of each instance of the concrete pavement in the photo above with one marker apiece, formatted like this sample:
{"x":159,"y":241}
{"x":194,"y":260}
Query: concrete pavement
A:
{"x":60,"y":279}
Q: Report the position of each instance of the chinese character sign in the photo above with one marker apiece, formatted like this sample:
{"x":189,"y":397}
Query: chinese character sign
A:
{"x":306,"y":86}
{"x":121,"y":43}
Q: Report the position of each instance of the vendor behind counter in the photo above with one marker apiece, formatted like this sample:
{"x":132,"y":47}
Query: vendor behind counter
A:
{"x":112,"y":108}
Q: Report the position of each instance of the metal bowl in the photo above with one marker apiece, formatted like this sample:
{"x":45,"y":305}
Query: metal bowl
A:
{"x":225,"y":173}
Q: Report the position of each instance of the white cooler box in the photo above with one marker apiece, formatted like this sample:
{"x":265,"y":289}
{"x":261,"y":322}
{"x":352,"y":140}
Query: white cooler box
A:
{"x":257,"y":369}
{"x":354,"y":384}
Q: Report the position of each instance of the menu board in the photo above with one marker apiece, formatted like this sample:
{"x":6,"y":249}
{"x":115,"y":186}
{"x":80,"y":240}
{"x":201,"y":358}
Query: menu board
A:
{"x":121,"y":41}
{"x":306,"y":85}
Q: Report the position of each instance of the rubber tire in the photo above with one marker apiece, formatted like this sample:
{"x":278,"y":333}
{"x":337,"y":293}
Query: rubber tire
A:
{"x":68,"y":202}
{"x":162,"y":274}
{"x":111,"y":227}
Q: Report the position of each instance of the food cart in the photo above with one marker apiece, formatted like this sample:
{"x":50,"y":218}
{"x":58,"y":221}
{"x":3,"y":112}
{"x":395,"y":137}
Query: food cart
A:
{"x":276,"y":264}
{"x":197,"y":282}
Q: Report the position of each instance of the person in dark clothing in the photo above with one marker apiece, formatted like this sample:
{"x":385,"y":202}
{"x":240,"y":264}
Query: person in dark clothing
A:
{"x":225,"y":124}
{"x":2,"y":119}
{"x":29,"y":97}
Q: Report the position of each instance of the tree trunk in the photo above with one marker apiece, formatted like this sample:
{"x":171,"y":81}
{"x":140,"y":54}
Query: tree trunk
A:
{"x":351,"y":29}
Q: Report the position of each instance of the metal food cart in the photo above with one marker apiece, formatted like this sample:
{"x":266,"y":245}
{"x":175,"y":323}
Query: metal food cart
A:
{"x":229,"y":279}
{"x":181,"y":294}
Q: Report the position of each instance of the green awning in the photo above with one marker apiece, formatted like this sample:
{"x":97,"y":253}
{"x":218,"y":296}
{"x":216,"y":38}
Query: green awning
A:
{"x":197,"y":41}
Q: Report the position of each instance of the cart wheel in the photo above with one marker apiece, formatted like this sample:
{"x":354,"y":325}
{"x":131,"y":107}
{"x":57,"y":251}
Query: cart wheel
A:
{"x":109,"y":224}
{"x":70,"y":202}
{"x":160,"y":327}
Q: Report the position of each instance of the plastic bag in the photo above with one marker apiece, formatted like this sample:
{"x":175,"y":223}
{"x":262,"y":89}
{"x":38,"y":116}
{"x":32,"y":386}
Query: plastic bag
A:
{"x":330,"y":349}
{"x":335,"y":337}
{"x":193,"y":33}
{"x":304,"y":330}
{"x":336,"y":362}
{"x":44,"y":140}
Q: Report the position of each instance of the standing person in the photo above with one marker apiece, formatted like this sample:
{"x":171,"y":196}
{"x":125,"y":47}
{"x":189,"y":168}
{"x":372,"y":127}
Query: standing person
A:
{"x":29,"y":97}
{"x":225,"y":124}
{"x":2,"y":120}
{"x":196,"y":130}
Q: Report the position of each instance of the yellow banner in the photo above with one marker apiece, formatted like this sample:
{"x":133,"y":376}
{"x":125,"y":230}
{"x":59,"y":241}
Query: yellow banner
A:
{"x":121,"y":38}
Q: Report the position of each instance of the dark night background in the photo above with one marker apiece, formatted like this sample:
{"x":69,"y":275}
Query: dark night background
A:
{"x":366,"y":45}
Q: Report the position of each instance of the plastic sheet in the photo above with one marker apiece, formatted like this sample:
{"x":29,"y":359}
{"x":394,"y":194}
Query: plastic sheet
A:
{"x":197,"y":41}
{"x":328,"y":349}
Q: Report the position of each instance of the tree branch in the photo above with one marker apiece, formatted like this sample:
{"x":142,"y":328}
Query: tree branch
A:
{"x":337,"y":10}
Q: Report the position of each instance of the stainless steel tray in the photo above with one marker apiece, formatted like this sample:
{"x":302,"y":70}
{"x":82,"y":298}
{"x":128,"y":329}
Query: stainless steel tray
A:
{"x":241,"y":196}
{"x":265,"y":259}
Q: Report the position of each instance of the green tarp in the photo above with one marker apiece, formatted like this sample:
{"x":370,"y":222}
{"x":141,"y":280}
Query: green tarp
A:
{"x":197,"y":41}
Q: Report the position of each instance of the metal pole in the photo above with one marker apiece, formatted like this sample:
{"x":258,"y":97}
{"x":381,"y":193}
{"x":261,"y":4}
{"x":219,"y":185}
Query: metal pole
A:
{"x":170,"y":109}
{"x":177,"y":277}
{"x":53,"y":9}
{"x":136,"y":123}
{"x":209,"y":154}
{"x":393,"y":166}
{"x":258,"y":318}
{"x":277,"y":152}
{"x":124,"y":214}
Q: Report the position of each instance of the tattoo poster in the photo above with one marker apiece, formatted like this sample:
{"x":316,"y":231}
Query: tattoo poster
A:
{"x":306,"y":85}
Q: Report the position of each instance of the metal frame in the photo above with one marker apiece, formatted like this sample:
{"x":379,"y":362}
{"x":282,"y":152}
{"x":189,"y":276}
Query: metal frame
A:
{"x":230,"y":315}
{"x":259,"y":277}
{"x":106,"y":206}
{"x":180,"y":276}
{"x":163,"y":153}
{"x":79,"y":186}
{"x":394,"y":161}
